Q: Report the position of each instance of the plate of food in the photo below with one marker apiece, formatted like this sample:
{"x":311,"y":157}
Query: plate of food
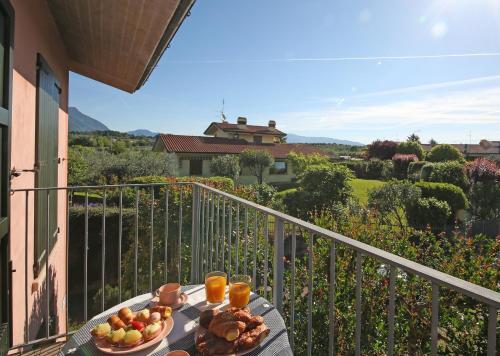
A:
{"x":129,"y":332}
{"x":233,"y":331}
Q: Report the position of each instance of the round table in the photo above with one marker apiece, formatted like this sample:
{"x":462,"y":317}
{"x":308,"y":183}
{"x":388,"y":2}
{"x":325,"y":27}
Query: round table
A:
{"x":186,"y":320}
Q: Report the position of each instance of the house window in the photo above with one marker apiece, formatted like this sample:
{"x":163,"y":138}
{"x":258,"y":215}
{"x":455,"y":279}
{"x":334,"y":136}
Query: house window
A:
{"x":257,"y":139}
{"x":195,"y":167}
{"x":279,"y":167}
{"x":47,"y":161}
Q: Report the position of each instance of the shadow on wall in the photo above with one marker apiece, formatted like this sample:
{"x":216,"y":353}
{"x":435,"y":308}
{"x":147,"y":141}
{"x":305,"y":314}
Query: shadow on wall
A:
{"x":38,"y":322}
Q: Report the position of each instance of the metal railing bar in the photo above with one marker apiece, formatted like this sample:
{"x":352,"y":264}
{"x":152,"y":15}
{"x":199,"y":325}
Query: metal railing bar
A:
{"x":292,"y":282}
{"x":26,"y":267}
{"x":165,"y":252}
{"x":392,"y":310}
{"x":47,"y":277}
{"x":223,"y":246}
{"x":212,"y":215}
{"x":310,"y":293}
{"x":66,"y":302}
{"x":266,"y":252}
{"x":207,"y":230}
{"x":245,"y":242}
{"x":101,"y":187}
{"x":230,"y":238}
{"x":151,"y":239}
{"x":136,"y":238}
{"x":434,"y":318}
{"x":217,"y":228}
{"x":103,"y":250}
{"x":474,"y":291}
{"x":255,"y":235}
{"x":120,"y":237}
{"x":331,"y":297}
{"x":492,"y":327}
{"x":202,"y":235}
{"x":181,"y":196}
{"x":237,"y":247}
{"x":86,"y":258}
{"x":359,"y":281}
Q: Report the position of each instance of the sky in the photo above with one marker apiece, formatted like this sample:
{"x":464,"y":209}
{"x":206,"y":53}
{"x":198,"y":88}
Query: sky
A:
{"x":356,"y":70}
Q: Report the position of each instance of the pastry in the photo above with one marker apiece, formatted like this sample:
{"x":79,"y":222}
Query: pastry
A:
{"x":206,"y":316}
{"x":101,"y":330}
{"x":151,"y":331}
{"x":132,"y":337}
{"x":209,"y":344}
{"x":116,"y":322}
{"x":126,"y":315}
{"x":226,"y":329}
{"x":116,"y":336}
{"x":154,"y":317}
{"x":253,"y":337}
{"x":142,"y":315}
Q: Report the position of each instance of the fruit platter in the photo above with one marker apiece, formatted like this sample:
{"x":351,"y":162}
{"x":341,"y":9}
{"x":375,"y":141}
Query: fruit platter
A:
{"x":128,"y":332}
{"x":234,"y":331}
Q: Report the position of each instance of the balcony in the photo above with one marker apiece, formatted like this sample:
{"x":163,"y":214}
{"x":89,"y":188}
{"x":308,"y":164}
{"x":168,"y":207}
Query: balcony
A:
{"x":125,"y":240}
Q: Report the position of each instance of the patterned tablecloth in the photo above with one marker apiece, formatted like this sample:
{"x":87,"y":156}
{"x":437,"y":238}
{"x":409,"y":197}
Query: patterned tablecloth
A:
{"x":185,"y":323}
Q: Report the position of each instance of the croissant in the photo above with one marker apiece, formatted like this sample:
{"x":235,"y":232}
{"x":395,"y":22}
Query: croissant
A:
{"x":115,"y":322}
{"x":253,"y":337}
{"x":227,"y":329}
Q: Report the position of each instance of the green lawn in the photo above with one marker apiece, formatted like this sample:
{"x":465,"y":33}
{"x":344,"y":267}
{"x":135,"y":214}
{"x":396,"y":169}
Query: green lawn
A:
{"x":361,"y":187}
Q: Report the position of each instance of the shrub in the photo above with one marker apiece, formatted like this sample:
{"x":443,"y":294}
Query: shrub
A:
{"x":300,"y":161}
{"x":453,"y":195}
{"x":428,"y":211}
{"x":449,"y":172}
{"x":426,"y":171}
{"x":226,"y":166}
{"x":257,"y":161}
{"x":264,"y":194}
{"x":415,"y":169}
{"x":320,"y":187}
{"x":443,"y":153}
{"x":391,"y":200}
{"x":372,"y":169}
{"x":382,"y":149}
{"x":482,"y":170}
{"x":485,"y":200}
{"x":401,"y":163}
{"x":411,"y":148}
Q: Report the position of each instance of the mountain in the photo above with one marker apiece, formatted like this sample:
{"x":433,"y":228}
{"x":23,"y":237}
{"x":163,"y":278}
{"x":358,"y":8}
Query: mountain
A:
{"x":143,"y":132}
{"x":79,"y":122}
{"x":292,"y":138}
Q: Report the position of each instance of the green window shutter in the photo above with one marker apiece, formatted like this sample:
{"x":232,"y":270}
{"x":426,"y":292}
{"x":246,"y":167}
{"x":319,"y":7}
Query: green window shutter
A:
{"x":48,"y":91}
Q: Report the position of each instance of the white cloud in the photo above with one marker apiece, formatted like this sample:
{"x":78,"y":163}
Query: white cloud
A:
{"x":471,"y":107}
{"x":439,"y":29}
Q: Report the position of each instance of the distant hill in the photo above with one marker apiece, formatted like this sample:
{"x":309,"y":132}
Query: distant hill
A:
{"x":292,"y":138}
{"x":79,"y":122}
{"x":143,"y":132}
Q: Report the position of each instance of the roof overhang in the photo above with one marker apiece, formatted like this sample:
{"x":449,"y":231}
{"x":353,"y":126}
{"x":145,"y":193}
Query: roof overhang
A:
{"x":118,"y":42}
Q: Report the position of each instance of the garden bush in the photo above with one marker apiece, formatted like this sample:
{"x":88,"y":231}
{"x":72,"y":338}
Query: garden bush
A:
{"x":226,"y":166}
{"x":300,"y":161}
{"x":411,"y":148}
{"x":426,"y":171}
{"x":443,"y":153}
{"x":450,"y":193}
{"x":414,"y":170}
{"x":485,"y":200}
{"x":401,"y":163}
{"x":428,"y":211}
{"x":483,"y":170}
{"x":449,"y":172}
{"x":371,"y":169}
{"x":383,"y":150}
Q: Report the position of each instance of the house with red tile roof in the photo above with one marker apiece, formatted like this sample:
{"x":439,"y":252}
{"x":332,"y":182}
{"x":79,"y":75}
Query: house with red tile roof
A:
{"x":195,"y":152}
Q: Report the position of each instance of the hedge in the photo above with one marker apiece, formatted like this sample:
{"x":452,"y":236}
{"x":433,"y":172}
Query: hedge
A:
{"x":411,"y":147}
{"x":426,"y":171}
{"x":372,"y":169}
{"x":443,"y":153}
{"x":401,"y":163}
{"x":415,"y":169}
{"x":453,"y":195}
{"x":449,"y":172}
{"x":428,"y":211}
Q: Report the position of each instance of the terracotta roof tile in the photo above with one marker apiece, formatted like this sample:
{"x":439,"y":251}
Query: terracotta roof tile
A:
{"x":251,"y":129}
{"x":219,"y":145}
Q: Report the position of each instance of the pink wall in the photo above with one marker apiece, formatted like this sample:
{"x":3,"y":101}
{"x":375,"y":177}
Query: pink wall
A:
{"x":35,"y":32}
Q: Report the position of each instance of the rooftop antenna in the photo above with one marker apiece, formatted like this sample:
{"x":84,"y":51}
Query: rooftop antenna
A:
{"x":222,"y":116}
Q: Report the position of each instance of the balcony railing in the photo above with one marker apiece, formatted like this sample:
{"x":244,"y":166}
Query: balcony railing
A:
{"x":126,"y":240}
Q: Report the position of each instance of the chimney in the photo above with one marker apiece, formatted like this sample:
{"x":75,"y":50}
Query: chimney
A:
{"x":242,"y":120}
{"x":272,"y":124}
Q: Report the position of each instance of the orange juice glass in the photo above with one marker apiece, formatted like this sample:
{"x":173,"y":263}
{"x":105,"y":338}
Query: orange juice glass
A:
{"x":239,"y":290}
{"x":215,"y":286}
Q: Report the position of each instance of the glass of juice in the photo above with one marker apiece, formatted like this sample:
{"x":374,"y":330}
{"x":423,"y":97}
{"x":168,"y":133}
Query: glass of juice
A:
{"x":239,"y":290}
{"x":215,"y":286}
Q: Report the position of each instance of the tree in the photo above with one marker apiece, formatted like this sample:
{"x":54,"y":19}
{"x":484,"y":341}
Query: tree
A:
{"x":300,"y":161}
{"x":382,"y":149}
{"x":443,"y":153}
{"x":226,"y":166}
{"x":413,"y":138}
{"x":256,"y":161}
{"x":411,"y":147}
{"x":432,"y":142}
